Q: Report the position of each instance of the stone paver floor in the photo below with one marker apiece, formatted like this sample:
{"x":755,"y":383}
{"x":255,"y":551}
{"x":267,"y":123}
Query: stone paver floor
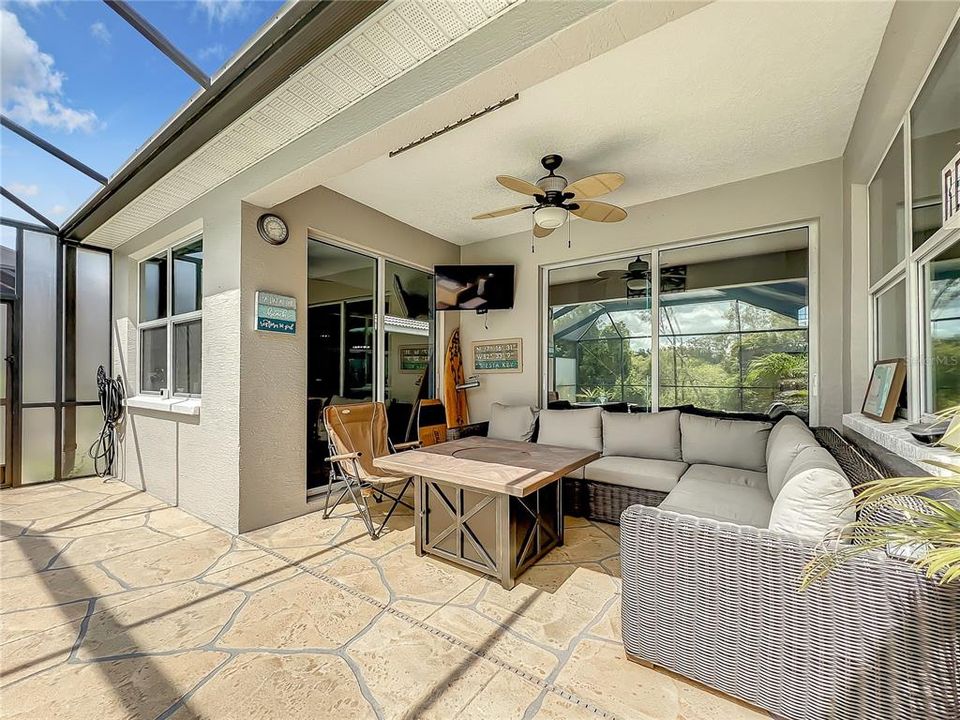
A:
{"x":116,"y":605}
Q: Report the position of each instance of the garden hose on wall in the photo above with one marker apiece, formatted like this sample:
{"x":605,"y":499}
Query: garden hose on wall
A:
{"x":104,"y":449}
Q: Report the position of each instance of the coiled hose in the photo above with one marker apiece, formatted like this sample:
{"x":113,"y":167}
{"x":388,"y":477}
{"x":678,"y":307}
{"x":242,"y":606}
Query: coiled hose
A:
{"x":104,"y":448}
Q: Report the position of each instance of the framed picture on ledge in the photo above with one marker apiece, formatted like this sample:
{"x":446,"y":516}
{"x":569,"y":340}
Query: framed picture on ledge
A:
{"x":883,"y":390}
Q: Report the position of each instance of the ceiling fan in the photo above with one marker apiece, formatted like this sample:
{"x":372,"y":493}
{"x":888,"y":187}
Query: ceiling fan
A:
{"x":555,"y":199}
{"x":637,"y":275}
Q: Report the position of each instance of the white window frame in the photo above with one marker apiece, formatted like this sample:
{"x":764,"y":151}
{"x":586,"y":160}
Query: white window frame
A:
{"x":912,"y":269}
{"x":170,"y":321}
{"x":813,"y":305}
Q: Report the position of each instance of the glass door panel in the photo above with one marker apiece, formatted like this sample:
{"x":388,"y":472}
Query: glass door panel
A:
{"x":409,"y":332}
{"x":600,"y":334}
{"x":341,"y":341}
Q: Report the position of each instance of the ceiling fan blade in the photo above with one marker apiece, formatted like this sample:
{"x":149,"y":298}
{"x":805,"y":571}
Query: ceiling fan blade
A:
{"x":599,"y":211}
{"x":501,"y":212}
{"x":595,"y":185}
{"x":541,"y":232}
{"x":517,"y":185}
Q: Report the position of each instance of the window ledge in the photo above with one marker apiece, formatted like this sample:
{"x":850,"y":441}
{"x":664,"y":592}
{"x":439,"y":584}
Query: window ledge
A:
{"x":175,"y":405}
{"x":894,"y":437}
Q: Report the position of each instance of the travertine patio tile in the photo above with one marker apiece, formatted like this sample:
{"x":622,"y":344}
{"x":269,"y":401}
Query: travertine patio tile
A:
{"x":255,"y":686}
{"x":361,"y":543}
{"x":415,"y":674}
{"x":418,"y":610}
{"x":53,"y":587}
{"x":583,"y":544}
{"x":28,"y":555}
{"x":555,"y":707}
{"x":548,"y":578}
{"x":37,"y":652}
{"x":307,"y":531}
{"x":175,"y":560}
{"x":360,"y":573}
{"x":121,"y":689}
{"x":484,"y":634}
{"x":507,"y":695}
{"x":175,"y":521}
{"x":183,"y":616}
{"x":106,"y":545}
{"x":252,"y":573}
{"x":424,"y":578}
{"x":700,"y":703}
{"x":608,"y":626}
{"x":21,"y":624}
{"x":600,"y":673}
{"x":303,"y":612}
{"x":551,"y":619}
{"x":73,"y":525}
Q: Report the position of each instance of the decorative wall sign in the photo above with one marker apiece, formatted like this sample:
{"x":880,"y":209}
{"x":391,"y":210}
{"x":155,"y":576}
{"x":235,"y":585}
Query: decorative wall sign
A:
{"x":883,"y":390}
{"x":276,"y":313}
{"x":498,"y":356}
{"x":414,"y":358}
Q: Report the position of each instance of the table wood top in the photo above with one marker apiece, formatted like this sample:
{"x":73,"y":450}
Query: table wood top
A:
{"x":502,"y":466}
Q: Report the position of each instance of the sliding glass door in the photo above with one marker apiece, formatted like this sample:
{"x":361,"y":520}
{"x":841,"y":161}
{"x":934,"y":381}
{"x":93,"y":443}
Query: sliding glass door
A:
{"x":353,"y":356}
{"x":721,"y":325}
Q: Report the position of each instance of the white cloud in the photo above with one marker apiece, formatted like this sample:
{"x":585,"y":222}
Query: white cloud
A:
{"x":21,"y":190}
{"x":212,"y":52}
{"x":58,"y":212}
{"x":223,"y":11}
{"x":100,"y":32}
{"x":32,"y":88}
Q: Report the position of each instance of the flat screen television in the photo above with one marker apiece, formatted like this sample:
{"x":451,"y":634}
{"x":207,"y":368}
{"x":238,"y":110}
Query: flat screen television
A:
{"x":474,"y":287}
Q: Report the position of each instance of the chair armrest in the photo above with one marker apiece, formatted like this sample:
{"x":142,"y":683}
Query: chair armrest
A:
{"x":400,"y":447}
{"x":720,"y":603}
{"x":343,"y":456}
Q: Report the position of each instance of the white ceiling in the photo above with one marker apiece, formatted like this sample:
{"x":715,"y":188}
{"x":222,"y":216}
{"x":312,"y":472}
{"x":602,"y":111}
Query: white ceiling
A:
{"x":730,"y":91}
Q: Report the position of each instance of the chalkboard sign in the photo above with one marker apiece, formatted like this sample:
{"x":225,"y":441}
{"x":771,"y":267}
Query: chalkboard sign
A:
{"x":276,"y":313}
{"x":498,"y":356}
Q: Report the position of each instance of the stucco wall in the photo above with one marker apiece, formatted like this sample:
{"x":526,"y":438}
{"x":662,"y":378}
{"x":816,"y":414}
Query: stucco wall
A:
{"x":273,"y":368}
{"x":812,"y":192}
{"x":189,"y":461}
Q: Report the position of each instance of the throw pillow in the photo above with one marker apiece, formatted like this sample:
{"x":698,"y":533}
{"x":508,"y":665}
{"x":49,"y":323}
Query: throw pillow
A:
{"x":512,"y":422}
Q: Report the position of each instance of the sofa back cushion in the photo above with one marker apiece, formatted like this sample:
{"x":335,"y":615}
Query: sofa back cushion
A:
{"x":512,"y":422}
{"x":645,"y":435}
{"x":814,"y":501}
{"x":787,"y":439}
{"x":579,"y":429}
{"x":716,"y":441}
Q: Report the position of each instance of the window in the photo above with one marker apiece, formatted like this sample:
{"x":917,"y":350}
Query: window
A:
{"x":942,"y":291}
{"x":913,"y":260}
{"x":731,"y":333}
{"x":170,"y":321}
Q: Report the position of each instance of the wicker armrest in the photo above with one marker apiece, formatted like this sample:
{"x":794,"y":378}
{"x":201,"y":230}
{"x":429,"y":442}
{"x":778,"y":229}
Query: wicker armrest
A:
{"x":720,"y":603}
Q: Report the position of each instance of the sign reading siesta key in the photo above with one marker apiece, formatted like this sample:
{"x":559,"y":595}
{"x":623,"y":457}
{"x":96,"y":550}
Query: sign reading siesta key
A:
{"x":498,"y":356}
{"x":276,"y":313}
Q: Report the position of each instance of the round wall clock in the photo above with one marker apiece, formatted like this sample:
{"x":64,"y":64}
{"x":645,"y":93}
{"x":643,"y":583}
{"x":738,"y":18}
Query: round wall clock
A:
{"x":272,"y":229}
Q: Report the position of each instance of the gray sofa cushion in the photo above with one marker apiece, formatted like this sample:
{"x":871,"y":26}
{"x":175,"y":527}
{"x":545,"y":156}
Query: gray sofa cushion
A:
{"x":718,"y":441}
{"x":642,"y":435}
{"x":643,"y":473}
{"x":571,"y":428}
{"x":720,"y":501}
{"x":787,"y":438}
{"x":512,"y":422}
{"x":728,"y":475}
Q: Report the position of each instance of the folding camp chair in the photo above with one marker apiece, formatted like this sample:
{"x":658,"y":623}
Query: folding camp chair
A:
{"x":356,"y":434}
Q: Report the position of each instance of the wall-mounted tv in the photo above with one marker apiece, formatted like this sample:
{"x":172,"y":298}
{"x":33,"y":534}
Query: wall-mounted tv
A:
{"x":474,"y":287}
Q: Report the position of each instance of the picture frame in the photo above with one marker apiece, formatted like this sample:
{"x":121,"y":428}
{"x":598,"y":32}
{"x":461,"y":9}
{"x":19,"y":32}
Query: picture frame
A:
{"x":414,"y":359}
{"x":497,"y":356}
{"x":884,"y":388}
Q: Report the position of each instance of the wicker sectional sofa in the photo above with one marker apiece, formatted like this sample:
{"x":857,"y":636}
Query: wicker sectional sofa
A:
{"x":711,"y":561}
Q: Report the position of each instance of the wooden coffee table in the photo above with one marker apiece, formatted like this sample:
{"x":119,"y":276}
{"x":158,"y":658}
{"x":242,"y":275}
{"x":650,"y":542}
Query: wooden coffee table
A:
{"x":492,"y":505}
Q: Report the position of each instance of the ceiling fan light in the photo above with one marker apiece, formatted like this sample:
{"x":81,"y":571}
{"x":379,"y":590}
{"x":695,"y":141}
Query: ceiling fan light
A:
{"x":550,"y":217}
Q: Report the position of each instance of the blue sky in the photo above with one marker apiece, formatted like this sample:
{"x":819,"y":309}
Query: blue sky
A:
{"x":77,"y":74}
